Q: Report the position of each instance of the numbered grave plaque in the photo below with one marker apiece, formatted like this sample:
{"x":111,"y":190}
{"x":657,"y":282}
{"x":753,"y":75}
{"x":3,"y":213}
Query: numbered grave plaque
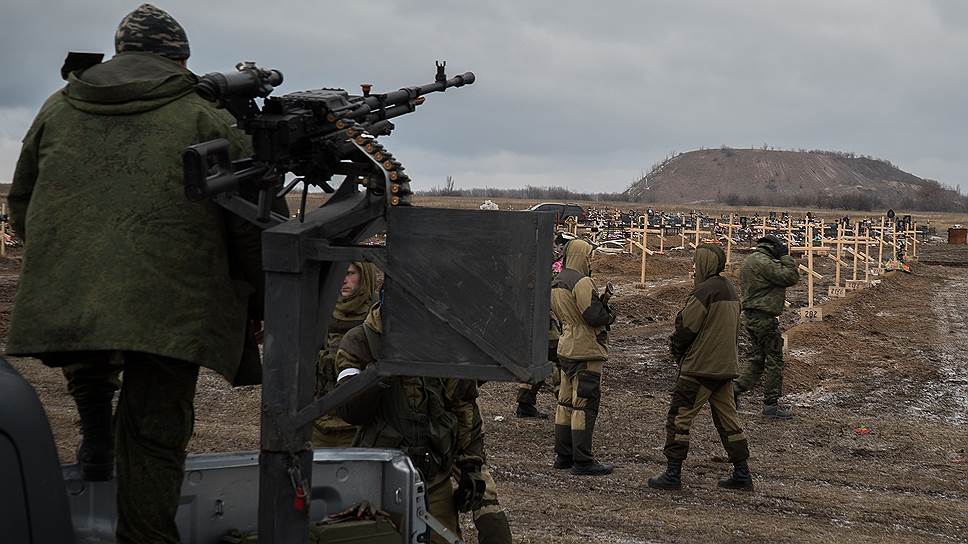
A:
{"x":811,"y":314}
{"x":836,"y":292}
{"x":853,"y":285}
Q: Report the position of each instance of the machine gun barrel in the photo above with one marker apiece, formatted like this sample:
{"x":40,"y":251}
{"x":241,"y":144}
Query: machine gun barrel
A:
{"x":374,"y":107}
{"x":407,"y":94}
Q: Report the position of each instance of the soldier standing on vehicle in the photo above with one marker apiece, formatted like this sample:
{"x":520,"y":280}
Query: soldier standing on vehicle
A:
{"x":582,"y":352}
{"x":704,"y":345}
{"x":765,"y":275}
{"x":121,"y":271}
{"x":356,"y":296}
{"x":435,"y":421}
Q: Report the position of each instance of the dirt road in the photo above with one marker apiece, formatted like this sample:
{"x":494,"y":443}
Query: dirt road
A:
{"x":890,"y":360}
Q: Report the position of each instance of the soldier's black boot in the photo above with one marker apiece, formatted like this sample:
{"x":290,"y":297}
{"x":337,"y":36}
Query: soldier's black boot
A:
{"x":775,"y":411}
{"x":670,"y":478}
{"x":592,"y":468}
{"x":531,"y":411}
{"x":740,"y":479}
{"x":96,"y":452}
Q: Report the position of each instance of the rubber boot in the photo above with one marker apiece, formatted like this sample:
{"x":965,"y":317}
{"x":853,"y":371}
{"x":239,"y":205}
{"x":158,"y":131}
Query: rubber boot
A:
{"x":775,"y":411}
{"x":592,"y":468}
{"x":671,"y":478}
{"x":493,"y":528}
{"x":96,"y":452}
{"x":740,"y":479}
{"x":529,"y":411}
{"x":563,"y":450}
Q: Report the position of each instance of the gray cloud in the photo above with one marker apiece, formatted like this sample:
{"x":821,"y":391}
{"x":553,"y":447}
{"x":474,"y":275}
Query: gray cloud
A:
{"x":570,"y":93}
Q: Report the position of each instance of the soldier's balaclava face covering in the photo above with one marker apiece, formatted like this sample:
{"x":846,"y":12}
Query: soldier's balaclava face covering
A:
{"x":710,"y":260}
{"x":577,"y":254}
{"x":152,"y":30}
{"x":356,"y":306}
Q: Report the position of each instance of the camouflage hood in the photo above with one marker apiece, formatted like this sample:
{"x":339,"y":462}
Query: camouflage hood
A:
{"x":710,"y":260}
{"x":374,"y":320}
{"x":129,"y":83}
{"x":356,"y":306}
{"x":577,"y":254}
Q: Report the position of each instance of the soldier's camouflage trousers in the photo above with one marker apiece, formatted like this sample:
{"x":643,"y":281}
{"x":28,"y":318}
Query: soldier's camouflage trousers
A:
{"x":579,"y":397}
{"x":688,"y":398}
{"x":154,"y":421}
{"x":490,"y":519}
{"x":766,"y":356}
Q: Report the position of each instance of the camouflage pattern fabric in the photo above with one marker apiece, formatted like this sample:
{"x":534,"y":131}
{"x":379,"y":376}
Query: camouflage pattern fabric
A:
{"x":116,"y":258}
{"x":440,"y":504}
{"x":154,"y":419}
{"x":152,"y":30}
{"x":766,"y":356}
{"x":764,"y":279}
{"x":579,"y":397}
{"x":688,"y":398}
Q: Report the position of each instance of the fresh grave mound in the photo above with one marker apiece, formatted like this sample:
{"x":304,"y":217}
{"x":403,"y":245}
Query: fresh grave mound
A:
{"x":625,"y":265}
{"x":640,"y":308}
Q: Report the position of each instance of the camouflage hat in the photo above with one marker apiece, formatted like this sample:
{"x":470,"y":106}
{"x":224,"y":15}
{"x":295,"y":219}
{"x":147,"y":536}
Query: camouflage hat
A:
{"x":152,"y":30}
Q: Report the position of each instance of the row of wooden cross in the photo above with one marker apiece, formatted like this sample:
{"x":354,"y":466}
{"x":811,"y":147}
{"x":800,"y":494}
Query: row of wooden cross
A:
{"x":852,"y":241}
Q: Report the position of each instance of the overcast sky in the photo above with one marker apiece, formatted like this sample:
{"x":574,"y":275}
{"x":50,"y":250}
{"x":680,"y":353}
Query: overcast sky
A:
{"x":569,"y":93}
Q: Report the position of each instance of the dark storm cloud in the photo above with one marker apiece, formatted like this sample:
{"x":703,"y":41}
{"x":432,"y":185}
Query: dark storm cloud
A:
{"x":571,"y":93}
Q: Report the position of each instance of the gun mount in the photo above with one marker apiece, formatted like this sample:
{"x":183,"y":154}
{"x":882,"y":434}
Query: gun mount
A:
{"x":466,"y":291}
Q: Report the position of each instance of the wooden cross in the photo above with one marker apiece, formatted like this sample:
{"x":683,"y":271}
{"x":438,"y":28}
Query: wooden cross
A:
{"x":838,"y":290}
{"x":697,"y":232}
{"x":856,"y":238}
{"x":643,"y":232}
{"x":729,"y":241}
{"x":913,"y":232}
{"x":810,"y":313}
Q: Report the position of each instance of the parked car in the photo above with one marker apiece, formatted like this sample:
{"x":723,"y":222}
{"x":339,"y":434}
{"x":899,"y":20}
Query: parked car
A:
{"x":561,"y":211}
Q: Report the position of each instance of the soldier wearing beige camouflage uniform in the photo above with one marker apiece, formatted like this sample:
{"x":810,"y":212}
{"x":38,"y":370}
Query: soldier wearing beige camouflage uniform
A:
{"x":121,"y":271}
{"x":582,"y":352}
{"x":704,"y":345}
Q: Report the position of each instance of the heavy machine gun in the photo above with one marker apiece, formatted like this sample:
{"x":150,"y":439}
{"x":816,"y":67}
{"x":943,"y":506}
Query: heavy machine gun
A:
{"x":313,"y":134}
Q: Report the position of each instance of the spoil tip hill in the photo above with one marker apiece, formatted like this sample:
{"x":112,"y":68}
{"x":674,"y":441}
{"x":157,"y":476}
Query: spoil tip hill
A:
{"x":719,"y":175}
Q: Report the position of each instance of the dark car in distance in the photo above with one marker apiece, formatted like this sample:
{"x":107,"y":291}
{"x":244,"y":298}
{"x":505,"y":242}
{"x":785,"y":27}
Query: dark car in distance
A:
{"x":561,"y":211}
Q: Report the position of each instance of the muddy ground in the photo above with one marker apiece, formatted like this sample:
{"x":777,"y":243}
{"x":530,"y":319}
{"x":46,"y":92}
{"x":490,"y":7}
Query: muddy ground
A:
{"x":877,"y":452}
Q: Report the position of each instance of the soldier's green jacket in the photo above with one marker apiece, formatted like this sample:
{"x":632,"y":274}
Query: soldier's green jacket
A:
{"x":707,"y":326}
{"x":436,"y":421}
{"x":576,"y":305}
{"x":116,"y":257}
{"x":764,"y":279}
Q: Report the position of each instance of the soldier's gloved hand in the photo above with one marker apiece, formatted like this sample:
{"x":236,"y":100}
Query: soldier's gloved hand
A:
{"x":470,"y":489}
{"x":782,"y":249}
